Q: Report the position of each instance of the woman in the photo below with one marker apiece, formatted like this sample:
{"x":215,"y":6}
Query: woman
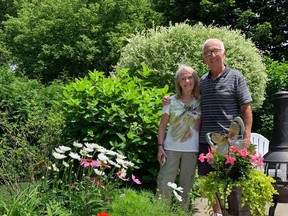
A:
{"x":179,"y":148}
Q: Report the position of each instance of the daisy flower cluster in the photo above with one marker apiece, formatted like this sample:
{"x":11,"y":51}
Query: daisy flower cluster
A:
{"x":92,"y":162}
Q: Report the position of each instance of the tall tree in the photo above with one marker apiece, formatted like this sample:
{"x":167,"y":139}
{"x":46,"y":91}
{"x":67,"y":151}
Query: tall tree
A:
{"x":264,"y":21}
{"x":7,"y":7}
{"x":51,"y":38}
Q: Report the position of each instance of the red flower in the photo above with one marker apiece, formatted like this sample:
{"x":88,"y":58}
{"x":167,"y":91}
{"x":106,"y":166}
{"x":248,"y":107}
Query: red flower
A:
{"x":103,"y":214}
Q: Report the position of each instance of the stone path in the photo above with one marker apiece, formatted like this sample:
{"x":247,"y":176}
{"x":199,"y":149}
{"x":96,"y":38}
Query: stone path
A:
{"x":200,"y":208}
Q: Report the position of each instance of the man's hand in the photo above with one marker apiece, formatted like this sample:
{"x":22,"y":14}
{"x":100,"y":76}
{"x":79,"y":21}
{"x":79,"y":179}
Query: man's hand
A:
{"x":165,"y":100}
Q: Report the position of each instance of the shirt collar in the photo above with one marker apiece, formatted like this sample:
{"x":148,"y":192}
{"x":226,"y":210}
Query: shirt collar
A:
{"x":223,"y":74}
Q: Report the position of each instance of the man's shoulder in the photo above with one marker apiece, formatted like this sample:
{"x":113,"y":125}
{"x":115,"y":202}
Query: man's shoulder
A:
{"x":234,"y":72}
{"x":204,"y":76}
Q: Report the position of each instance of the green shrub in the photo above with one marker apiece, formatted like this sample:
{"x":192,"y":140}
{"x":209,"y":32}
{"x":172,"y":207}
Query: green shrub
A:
{"x":161,"y":49}
{"x":277,"y":81}
{"x":31,"y":200}
{"x":54,"y":37}
{"x":118,"y":112}
{"x":29,"y":125}
{"x":132,"y":203}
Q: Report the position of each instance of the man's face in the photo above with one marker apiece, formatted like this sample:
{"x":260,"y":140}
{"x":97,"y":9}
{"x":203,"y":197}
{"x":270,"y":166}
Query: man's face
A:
{"x":213,"y":54}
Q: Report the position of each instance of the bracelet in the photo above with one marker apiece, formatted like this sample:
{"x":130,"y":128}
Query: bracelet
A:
{"x":160,"y":144}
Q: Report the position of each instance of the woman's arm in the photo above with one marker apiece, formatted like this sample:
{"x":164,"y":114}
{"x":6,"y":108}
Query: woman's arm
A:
{"x":161,"y":135}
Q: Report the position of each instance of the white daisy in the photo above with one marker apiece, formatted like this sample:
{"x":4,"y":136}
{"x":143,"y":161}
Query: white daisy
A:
{"x":102,"y":157}
{"x":75,"y":156}
{"x":58,"y":155}
{"x":64,"y":148}
{"x":98,"y":172}
{"x":177,"y":195}
{"x":76,"y":144}
{"x":174,"y":187}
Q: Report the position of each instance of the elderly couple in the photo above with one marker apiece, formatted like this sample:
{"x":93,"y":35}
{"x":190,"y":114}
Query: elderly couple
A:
{"x":199,"y":106}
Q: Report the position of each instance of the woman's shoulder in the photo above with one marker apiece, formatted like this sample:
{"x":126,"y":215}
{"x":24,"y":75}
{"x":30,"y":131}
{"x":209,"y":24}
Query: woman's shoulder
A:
{"x":172,"y":97}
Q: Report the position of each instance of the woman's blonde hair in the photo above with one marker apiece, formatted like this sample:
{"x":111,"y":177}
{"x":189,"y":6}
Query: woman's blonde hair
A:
{"x":196,"y":90}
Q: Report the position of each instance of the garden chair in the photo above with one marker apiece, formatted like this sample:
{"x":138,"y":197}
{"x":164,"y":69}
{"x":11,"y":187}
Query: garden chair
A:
{"x":261,"y":142}
{"x":262,"y":147}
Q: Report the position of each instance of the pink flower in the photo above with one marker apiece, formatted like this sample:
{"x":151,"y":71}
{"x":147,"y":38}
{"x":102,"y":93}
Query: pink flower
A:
{"x":243,"y":152}
{"x":260,"y":160}
{"x":209,"y":157}
{"x":137,"y":181}
{"x":257,"y":159}
{"x":72,"y":185}
{"x":234,"y":149}
{"x":122,"y":174}
{"x":230,"y":159}
{"x":253,"y":158}
{"x":90,"y":162}
{"x":202,"y":157}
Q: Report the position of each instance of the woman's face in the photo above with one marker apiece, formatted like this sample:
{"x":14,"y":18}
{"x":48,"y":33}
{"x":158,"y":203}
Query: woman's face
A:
{"x":186,"y":81}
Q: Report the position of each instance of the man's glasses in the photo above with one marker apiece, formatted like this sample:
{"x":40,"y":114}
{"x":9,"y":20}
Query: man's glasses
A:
{"x":209,"y":53}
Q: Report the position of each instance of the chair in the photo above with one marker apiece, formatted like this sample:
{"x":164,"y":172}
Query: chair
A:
{"x":261,"y":142}
{"x":262,"y":145}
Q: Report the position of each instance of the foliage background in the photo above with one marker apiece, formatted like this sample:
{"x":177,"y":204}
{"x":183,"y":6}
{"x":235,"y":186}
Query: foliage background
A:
{"x":56,"y":38}
{"x":30,"y":126}
{"x":120,"y":112}
{"x":163,"y":48}
{"x":51,"y":42}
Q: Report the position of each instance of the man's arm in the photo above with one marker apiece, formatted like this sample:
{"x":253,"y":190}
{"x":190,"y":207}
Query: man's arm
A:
{"x":166,"y":100}
{"x":246,"y":112}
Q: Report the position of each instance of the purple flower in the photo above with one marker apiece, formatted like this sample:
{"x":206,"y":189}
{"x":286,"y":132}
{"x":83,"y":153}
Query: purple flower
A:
{"x":90,"y":162}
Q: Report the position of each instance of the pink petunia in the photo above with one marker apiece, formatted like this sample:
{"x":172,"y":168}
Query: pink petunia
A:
{"x":90,"y":162}
{"x":137,"y":181}
{"x":230,"y":159}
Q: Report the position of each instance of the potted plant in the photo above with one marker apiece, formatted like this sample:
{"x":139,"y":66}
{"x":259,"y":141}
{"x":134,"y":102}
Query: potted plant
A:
{"x":235,"y":181}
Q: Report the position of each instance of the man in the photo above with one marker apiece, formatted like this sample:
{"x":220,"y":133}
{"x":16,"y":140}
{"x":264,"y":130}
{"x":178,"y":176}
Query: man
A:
{"x":224,"y":96}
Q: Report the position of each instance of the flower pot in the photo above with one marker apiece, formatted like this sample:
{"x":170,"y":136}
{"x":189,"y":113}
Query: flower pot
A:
{"x":234,"y":202}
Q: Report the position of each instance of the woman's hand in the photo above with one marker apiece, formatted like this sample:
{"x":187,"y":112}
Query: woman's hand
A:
{"x":161,"y":155}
